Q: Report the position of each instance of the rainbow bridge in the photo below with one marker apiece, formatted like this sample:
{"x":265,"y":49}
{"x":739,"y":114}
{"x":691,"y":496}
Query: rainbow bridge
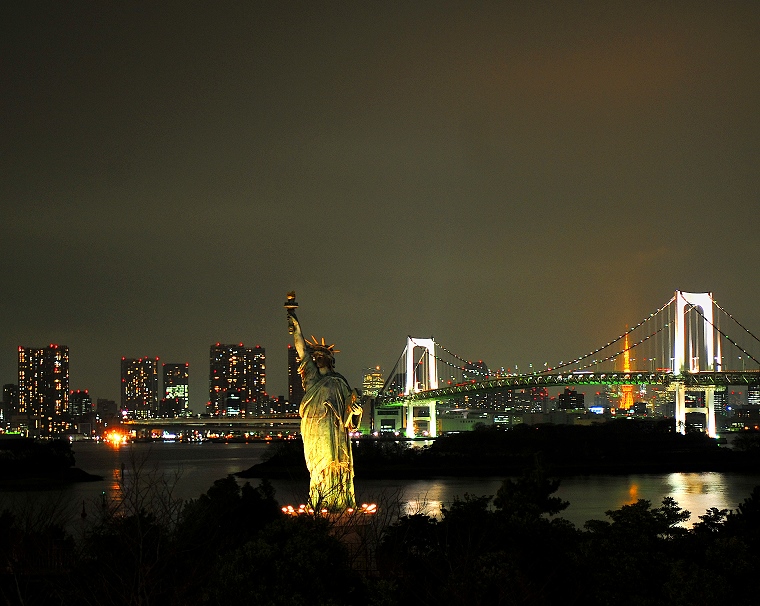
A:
{"x":685,"y":333}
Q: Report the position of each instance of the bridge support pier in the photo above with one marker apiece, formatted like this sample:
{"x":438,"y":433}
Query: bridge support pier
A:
{"x":433,"y":431}
{"x":432,"y":418}
{"x":410,"y":419}
{"x":709,"y":410}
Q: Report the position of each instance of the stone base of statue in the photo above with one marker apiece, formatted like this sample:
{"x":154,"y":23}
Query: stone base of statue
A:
{"x":354,"y":527}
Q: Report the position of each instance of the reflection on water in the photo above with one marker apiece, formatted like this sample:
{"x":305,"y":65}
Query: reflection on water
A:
{"x":698,"y":492}
{"x":590,"y":497}
{"x":633,"y":494}
{"x":189,"y":470}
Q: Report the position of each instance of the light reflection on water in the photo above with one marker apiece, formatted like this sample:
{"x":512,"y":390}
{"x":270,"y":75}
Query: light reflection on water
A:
{"x":698,"y":492}
{"x":191,"y":469}
{"x":589,"y":496}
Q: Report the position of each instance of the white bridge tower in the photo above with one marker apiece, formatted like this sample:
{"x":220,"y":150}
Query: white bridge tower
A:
{"x":425,"y":382}
{"x":690,"y":356}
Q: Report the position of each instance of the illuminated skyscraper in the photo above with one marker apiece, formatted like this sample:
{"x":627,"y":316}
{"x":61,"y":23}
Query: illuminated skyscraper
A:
{"x":570,"y":400}
{"x":176,"y":400}
{"x":295,"y":385}
{"x":43,"y":389}
{"x":237,"y":379}
{"x":372,"y":381}
{"x":139,"y":387}
{"x":80,"y":403}
{"x":539,"y":399}
{"x":10,"y":400}
{"x":753,"y":396}
{"x":720,"y":403}
{"x":475,"y":371}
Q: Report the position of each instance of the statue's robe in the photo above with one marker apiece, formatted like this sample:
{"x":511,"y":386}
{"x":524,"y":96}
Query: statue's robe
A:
{"x":329,"y":411}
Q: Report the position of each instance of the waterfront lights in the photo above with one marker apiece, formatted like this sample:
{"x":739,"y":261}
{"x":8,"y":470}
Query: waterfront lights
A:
{"x":115,"y":438}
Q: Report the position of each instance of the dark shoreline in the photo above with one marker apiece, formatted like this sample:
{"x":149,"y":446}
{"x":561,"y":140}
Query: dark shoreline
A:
{"x":561,"y":451}
{"x":290,"y":472}
{"x":27,"y":464}
{"x":40,"y":481}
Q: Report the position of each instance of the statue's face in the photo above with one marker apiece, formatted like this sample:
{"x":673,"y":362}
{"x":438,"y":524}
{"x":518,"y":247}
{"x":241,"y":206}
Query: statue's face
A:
{"x":321,"y":359}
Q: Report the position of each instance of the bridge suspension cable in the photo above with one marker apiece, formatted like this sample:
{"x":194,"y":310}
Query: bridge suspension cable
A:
{"x":724,"y":335}
{"x":737,"y":321}
{"x":470,"y":367}
{"x":622,"y":351}
{"x":562,"y":365}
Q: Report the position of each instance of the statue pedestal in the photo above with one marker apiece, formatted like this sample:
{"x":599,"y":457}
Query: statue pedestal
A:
{"x":354,"y":528}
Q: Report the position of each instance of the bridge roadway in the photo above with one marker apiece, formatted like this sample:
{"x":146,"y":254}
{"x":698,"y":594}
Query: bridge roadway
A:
{"x":270,"y":423}
{"x":691,"y":381}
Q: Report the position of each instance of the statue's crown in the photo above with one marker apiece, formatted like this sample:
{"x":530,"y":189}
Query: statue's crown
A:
{"x":316,"y":345}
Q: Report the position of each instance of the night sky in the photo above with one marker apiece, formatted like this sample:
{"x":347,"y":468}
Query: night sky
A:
{"x":519,"y":180}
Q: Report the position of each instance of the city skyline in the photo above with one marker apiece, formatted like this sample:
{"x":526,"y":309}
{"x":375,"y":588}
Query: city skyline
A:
{"x":519,"y":181}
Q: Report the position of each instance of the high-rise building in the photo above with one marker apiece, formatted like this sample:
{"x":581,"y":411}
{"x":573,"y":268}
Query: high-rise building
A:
{"x":372,"y":381}
{"x":107,"y":409}
{"x":539,"y":399}
{"x":176,"y":401}
{"x":10,"y":400}
{"x":720,"y":403}
{"x":570,"y":400}
{"x":43,"y":390}
{"x":475,"y":371}
{"x":753,"y":396}
{"x":139,"y":387}
{"x":80,"y":403}
{"x":295,"y":385}
{"x":237,"y":379}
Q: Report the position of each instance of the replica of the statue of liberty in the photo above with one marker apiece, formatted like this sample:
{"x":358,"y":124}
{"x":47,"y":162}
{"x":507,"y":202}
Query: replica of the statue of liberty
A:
{"x":329,"y":411}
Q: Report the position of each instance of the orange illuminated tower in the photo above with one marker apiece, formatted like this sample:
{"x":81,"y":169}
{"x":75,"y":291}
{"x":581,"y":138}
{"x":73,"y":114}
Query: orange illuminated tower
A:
{"x":626,"y":397}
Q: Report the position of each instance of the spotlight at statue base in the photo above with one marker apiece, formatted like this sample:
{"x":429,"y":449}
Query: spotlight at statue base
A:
{"x":365,"y":509}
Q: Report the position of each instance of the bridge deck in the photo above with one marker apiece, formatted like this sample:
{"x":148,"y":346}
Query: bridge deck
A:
{"x":690,"y":380}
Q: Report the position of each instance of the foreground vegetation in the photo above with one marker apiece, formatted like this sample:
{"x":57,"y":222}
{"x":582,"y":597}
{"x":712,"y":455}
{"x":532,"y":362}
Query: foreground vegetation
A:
{"x":233,"y":545}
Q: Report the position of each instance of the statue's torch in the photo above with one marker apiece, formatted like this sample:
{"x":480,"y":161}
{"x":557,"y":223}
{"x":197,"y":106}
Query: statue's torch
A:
{"x":290,"y":305}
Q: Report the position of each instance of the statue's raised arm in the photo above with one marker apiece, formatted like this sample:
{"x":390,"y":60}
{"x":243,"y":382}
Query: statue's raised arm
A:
{"x":294,"y":326}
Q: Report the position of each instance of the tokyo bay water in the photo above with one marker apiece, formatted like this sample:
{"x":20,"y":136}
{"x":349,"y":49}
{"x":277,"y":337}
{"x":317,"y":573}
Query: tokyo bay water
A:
{"x":190,"y":469}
